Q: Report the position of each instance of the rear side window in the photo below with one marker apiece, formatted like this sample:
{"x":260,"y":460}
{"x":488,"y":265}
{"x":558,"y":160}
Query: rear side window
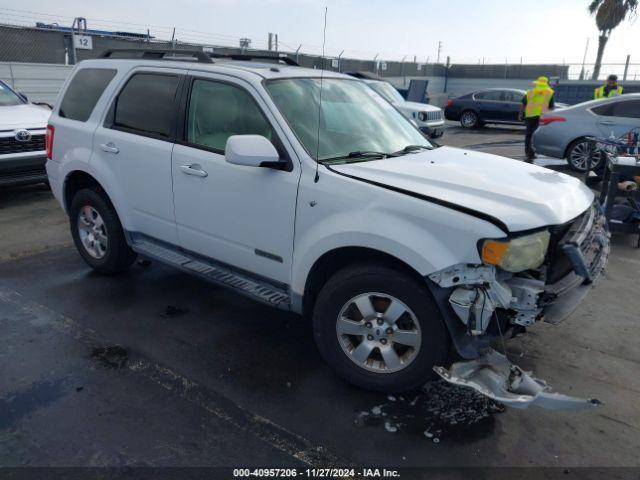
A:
{"x":146,"y":104}
{"x":84,"y":91}
{"x":493,"y":95}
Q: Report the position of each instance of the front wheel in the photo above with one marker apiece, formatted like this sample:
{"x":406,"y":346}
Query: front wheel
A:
{"x":379,"y":328}
{"x":581,"y":156}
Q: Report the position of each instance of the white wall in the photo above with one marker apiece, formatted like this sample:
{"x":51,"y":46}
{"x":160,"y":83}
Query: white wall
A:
{"x":40,"y":82}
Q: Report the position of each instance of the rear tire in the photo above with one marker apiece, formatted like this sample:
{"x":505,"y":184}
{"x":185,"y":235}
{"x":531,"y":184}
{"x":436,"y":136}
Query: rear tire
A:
{"x":469,"y":119}
{"x":580,"y":156}
{"x":97,"y":232}
{"x":379,"y":328}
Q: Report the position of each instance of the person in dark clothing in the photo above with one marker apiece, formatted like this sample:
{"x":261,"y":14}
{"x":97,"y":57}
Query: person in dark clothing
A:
{"x":535,"y":102}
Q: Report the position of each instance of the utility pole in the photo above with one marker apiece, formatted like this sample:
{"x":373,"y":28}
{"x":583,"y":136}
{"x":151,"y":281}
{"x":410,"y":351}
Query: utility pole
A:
{"x":626,"y":68}
{"x":276,"y":42}
{"x":297,"y":52}
{"x":439,"y":50}
{"x":584,"y":59}
{"x":446,"y":74}
{"x":270,"y":42}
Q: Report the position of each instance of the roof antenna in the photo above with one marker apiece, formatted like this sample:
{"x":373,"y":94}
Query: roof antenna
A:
{"x":324,"y":37}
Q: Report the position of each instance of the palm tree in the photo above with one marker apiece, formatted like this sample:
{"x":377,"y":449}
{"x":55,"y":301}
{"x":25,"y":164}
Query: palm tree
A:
{"x":609,"y":14}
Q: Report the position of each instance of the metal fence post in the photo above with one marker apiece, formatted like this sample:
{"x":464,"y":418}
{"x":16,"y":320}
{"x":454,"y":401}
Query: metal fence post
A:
{"x":626,"y":68}
{"x":446,"y":73}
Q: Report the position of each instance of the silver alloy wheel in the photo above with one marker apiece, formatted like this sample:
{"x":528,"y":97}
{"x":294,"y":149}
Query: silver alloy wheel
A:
{"x":378,"y":332}
{"x":93,"y":232}
{"x":582,"y":155}
{"x":469,"y":119}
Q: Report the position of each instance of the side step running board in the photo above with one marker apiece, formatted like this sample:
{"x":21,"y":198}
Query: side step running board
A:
{"x":215,"y":273}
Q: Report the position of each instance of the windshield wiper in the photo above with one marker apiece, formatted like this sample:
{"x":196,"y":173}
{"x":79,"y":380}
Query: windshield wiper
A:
{"x":359,"y":156}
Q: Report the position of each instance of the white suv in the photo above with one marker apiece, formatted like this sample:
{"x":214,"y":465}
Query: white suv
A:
{"x":309,"y":192}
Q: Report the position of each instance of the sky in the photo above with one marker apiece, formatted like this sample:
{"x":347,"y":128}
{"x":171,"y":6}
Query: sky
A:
{"x":536,"y":31}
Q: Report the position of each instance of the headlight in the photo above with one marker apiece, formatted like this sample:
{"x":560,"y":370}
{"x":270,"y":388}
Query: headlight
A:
{"x":522,"y":253}
{"x":422,"y":117}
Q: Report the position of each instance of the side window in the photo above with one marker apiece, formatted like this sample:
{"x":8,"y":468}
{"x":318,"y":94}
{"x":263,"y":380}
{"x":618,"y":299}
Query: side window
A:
{"x":628,"y":109}
{"x":83,"y":92}
{"x":492,"y":95}
{"x":513,"y":97}
{"x":146,"y":104}
{"x":218,"y":110}
{"x":604,"y":110}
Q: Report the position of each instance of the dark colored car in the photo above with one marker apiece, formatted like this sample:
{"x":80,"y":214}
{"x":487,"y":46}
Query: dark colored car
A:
{"x":495,"y":105}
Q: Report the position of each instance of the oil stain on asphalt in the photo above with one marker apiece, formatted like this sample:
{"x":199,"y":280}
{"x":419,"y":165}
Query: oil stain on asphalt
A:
{"x":437,"y":412}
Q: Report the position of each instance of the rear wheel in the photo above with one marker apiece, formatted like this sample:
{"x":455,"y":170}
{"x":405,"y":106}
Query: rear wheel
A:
{"x":581,"y":156}
{"x":379,"y":328}
{"x":469,"y":119}
{"x":97,"y":232}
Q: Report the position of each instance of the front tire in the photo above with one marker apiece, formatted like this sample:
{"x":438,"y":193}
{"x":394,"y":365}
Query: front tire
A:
{"x":469,"y":119}
{"x":379,"y":328}
{"x":581,"y":157}
{"x":97,"y":232}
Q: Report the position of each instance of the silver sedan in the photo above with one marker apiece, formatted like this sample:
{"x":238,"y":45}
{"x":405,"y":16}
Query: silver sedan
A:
{"x":562,"y":132}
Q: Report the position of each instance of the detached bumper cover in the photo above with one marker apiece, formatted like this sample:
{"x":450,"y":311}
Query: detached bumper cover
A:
{"x":494,"y":376}
{"x":588,"y":250}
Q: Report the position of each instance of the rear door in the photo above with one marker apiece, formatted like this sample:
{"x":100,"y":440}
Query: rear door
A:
{"x":134,"y":146}
{"x":617,"y":118}
{"x":240,"y":216}
{"x":490,"y":105}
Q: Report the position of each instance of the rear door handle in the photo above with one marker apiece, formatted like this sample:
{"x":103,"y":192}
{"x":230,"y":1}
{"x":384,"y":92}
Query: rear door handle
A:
{"x":194,"y":170}
{"x":109,"y":148}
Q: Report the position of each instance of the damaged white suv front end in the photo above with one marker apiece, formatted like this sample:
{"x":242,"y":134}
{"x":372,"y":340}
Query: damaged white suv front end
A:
{"x":526,"y":278}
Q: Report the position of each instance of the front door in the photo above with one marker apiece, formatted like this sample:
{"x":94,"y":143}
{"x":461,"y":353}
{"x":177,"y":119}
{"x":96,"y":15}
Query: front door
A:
{"x":240,"y":216}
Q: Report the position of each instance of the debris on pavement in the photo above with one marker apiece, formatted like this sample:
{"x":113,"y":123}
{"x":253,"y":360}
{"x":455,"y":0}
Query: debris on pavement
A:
{"x":113,"y":356}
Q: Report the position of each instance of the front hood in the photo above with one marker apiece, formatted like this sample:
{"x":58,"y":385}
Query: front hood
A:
{"x":520,"y":195}
{"x":417,"y":107}
{"x":23,"y":116}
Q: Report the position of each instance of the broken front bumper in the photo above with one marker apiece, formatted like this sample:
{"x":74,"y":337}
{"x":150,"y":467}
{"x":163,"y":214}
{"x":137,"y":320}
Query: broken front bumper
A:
{"x":494,"y":376}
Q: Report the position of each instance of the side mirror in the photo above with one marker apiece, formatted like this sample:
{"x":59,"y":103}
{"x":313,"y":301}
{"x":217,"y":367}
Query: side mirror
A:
{"x":252,"y":151}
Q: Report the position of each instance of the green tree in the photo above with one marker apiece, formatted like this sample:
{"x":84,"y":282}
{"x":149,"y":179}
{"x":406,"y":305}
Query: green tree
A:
{"x":609,"y":14}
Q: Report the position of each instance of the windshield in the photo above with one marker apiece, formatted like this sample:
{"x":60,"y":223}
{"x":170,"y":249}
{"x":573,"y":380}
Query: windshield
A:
{"x":8,"y":97}
{"x":387,"y":91}
{"x":353,"y":117}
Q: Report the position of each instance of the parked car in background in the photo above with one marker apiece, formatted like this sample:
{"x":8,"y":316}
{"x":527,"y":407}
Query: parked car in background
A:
{"x":563,"y":133}
{"x":22,"y":130}
{"x":428,"y":118}
{"x":494,"y":105}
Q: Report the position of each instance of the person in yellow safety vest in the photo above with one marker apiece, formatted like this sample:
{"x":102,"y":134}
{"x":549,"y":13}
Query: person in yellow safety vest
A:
{"x":611,"y":89}
{"x":536,"y":101}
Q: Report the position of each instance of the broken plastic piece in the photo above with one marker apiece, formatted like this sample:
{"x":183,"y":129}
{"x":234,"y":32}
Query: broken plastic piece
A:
{"x":495,"y":377}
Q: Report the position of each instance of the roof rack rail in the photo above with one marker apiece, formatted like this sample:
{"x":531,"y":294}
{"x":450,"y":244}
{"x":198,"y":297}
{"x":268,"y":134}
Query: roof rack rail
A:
{"x":157,"y":54}
{"x":258,"y":56}
{"x":366,"y":76}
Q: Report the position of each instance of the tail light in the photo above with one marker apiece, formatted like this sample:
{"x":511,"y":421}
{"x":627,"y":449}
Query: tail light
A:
{"x":449,"y":102}
{"x":548,"y":120}
{"x":48,"y":141}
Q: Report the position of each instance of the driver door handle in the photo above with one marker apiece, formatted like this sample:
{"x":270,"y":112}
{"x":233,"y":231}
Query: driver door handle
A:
{"x":194,"y":170}
{"x":109,"y":148}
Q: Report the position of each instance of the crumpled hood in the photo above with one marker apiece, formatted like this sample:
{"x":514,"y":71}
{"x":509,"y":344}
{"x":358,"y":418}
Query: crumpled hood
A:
{"x":520,"y":195}
{"x":23,"y":116}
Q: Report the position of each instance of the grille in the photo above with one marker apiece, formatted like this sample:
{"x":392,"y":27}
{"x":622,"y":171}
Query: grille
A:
{"x":11,"y":145}
{"x":431,"y":116}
